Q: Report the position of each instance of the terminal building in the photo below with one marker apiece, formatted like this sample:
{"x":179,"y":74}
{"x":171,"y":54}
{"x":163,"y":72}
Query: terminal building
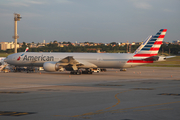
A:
{"x":7,"y":45}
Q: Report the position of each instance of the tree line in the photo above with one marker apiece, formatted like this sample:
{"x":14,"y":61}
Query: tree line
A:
{"x":53,"y":47}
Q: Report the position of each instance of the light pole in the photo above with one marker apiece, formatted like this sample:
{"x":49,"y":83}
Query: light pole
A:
{"x":16,"y":18}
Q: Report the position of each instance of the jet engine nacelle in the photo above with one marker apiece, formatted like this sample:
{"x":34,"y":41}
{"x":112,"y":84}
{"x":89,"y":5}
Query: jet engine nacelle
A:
{"x":162,"y":58}
{"x":51,"y":66}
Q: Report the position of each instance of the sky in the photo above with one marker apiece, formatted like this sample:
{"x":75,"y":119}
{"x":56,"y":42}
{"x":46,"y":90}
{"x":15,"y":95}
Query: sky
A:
{"x":102,"y":21}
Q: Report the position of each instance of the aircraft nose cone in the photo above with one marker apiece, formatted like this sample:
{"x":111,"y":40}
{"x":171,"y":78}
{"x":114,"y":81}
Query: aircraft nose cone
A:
{"x":5,"y":60}
{"x":8,"y":59}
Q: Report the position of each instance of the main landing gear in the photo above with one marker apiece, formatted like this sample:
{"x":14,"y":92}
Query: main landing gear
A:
{"x":76,"y":72}
{"x":79,"y":72}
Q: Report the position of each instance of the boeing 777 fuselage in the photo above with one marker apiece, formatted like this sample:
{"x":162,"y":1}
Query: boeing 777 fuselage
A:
{"x":102,"y":60}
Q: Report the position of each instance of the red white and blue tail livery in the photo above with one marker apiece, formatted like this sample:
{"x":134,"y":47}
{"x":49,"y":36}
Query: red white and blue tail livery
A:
{"x":150,"y":50}
{"x":153,"y":46}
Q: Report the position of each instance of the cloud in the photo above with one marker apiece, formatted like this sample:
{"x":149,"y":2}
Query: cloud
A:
{"x":63,"y":1}
{"x":35,"y":2}
{"x":23,"y":3}
{"x":6,"y":14}
{"x":26,"y":14}
{"x":28,"y":3}
{"x":167,"y":10}
{"x":141,"y":4}
{"x":17,"y":4}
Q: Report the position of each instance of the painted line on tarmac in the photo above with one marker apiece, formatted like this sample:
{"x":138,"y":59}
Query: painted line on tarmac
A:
{"x":120,"y":110}
{"x":102,"y":110}
{"x":165,"y":109}
{"x":118,"y":100}
{"x":9,"y":92}
{"x":26,"y":86}
{"x":10,"y":113}
{"x":143,"y":88}
{"x":145,"y":106}
{"x":141,"y":110}
{"x":170,"y":94}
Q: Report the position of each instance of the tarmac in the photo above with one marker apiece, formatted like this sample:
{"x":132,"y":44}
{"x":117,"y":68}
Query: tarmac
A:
{"x":140,"y":93}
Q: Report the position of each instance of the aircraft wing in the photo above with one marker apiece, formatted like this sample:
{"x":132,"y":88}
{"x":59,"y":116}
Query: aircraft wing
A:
{"x":70,"y":61}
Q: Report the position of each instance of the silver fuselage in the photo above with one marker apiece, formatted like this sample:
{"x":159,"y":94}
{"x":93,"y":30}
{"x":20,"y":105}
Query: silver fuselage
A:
{"x":101,"y":60}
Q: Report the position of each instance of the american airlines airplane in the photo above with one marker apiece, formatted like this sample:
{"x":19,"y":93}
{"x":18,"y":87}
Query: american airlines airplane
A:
{"x":75,"y":62}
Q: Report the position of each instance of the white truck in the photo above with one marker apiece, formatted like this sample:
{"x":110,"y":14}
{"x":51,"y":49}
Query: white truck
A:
{"x":97,"y":70}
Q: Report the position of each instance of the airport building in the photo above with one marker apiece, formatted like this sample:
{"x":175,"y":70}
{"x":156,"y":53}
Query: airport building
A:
{"x":7,"y":45}
{"x":176,"y":42}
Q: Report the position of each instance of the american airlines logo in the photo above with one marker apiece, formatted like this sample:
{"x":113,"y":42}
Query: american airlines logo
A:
{"x":38,"y":58}
{"x":22,"y":54}
{"x":20,"y":57}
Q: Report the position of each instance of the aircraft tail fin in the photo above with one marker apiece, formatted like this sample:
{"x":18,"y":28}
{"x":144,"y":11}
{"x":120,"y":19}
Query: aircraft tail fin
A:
{"x":26,"y":50}
{"x":23,"y":53}
{"x":153,"y":45}
{"x":143,"y":44}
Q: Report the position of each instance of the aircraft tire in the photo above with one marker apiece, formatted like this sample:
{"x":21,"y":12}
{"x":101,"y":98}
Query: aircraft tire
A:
{"x":79,"y":72}
{"x":89,"y":72}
